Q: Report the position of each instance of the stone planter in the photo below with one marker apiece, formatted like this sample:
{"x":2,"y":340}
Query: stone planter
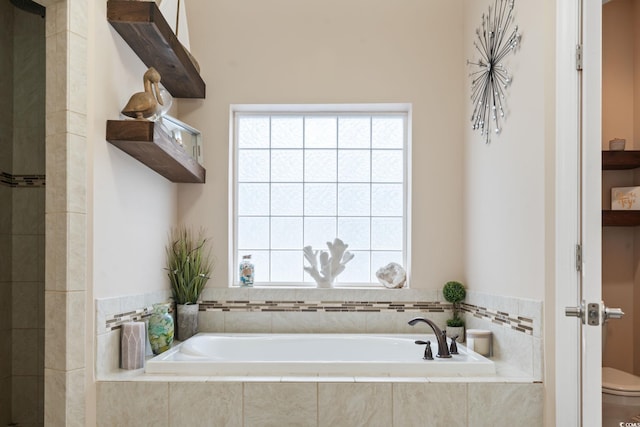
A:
{"x":187,"y":321}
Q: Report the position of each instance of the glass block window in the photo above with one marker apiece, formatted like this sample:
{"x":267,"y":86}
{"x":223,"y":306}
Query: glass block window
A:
{"x":305,"y":178}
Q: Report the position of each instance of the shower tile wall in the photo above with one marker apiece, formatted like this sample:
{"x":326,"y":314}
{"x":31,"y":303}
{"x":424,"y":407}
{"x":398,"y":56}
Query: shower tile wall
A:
{"x":6,"y":156}
{"x":22,"y":114}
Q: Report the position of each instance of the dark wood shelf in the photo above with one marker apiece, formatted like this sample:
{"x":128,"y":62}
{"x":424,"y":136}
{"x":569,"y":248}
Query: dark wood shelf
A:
{"x":620,"y":160}
{"x":620,"y":218}
{"x":150,"y":145}
{"x":142,"y":26}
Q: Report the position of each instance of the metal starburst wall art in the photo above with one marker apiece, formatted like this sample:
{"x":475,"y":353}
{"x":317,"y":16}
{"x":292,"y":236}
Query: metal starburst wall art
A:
{"x":489,"y":77}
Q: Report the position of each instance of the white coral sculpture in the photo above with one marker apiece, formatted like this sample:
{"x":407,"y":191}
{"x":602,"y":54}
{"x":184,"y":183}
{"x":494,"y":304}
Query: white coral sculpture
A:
{"x":332,"y":263}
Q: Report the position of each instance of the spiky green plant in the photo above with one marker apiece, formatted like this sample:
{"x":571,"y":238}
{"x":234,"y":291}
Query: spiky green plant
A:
{"x":189,"y":264}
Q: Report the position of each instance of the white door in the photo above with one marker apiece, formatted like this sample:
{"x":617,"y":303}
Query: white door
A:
{"x":592,"y":214}
{"x":578,"y":214}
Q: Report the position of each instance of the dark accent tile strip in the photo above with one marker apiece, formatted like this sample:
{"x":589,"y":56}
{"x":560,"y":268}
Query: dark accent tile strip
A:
{"x":327,"y":306}
{"x":516,"y":323}
{"x":116,"y":321}
{"x":28,"y":181}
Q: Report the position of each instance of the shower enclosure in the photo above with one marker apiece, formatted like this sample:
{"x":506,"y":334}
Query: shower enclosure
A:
{"x":22,"y":204}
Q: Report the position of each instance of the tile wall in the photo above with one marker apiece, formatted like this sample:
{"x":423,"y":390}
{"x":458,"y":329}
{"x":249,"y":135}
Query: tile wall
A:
{"x":110,"y":314}
{"x":321,"y":403}
{"x":6,"y":159}
{"x":65,"y":395}
{"x":515,"y":323}
{"x":22,"y":194}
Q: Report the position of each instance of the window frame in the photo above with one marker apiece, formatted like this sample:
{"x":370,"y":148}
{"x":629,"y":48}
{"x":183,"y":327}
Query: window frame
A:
{"x":236,"y":110}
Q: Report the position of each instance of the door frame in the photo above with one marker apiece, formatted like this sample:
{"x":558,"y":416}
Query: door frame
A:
{"x":592,"y":210}
{"x":578,"y":357}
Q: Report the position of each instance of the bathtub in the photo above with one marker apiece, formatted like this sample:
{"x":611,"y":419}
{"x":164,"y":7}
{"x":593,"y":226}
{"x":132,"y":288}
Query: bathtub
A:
{"x":350,"y":355}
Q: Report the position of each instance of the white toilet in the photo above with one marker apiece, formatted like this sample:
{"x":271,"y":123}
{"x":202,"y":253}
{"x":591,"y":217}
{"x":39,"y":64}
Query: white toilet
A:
{"x":621,"y":388}
{"x":620,"y":394}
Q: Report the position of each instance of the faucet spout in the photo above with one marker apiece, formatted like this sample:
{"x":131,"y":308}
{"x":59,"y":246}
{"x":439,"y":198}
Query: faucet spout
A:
{"x":443,"y":349}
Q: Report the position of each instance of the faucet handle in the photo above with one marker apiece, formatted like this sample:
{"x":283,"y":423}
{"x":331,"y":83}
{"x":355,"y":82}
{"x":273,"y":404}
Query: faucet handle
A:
{"x":428,"y":355}
{"x":453,"y":349}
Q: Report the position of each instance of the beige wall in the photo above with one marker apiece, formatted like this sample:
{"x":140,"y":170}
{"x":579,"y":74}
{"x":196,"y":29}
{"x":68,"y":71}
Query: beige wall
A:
{"x":480,"y":213}
{"x":509,"y":186}
{"x":618,"y":72}
{"x":620,"y":119}
{"x":334,"y":51}
{"x":133,"y":206}
{"x":636,"y":261}
{"x":505,"y":211}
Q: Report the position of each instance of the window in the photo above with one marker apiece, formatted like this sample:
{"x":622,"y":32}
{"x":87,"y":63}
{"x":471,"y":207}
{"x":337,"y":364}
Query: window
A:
{"x":303,"y":177}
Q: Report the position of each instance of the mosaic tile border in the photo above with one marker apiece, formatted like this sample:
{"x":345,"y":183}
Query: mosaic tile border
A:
{"x":325,"y":306}
{"x":28,"y":181}
{"x":117,"y":320}
{"x":517,"y":323}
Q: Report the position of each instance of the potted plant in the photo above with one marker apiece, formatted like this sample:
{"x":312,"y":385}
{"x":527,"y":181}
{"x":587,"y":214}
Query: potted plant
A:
{"x":189,"y":264}
{"x":454,"y":293}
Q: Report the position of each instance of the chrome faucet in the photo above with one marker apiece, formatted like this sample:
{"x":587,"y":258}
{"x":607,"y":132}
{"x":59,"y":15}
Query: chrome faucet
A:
{"x":443,"y":349}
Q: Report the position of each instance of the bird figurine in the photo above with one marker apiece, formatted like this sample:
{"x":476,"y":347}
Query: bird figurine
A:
{"x":143,"y":105}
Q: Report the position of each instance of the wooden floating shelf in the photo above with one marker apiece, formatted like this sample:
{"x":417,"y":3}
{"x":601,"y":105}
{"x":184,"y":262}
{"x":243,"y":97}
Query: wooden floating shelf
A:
{"x":620,"y":218}
{"x":142,"y":26}
{"x":147,"y":143}
{"x":620,"y":160}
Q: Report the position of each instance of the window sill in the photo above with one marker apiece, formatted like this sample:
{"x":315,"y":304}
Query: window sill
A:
{"x":304,"y":286}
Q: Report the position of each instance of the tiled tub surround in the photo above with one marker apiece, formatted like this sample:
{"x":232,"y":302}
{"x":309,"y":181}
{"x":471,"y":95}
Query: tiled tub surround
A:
{"x":512,"y":397}
{"x":162,"y":401}
{"x":110,"y":314}
{"x":515,"y":323}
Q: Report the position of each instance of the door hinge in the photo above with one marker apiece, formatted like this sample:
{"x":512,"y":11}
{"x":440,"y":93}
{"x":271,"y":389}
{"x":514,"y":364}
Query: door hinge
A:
{"x":579,"y":57}
{"x":578,"y":257}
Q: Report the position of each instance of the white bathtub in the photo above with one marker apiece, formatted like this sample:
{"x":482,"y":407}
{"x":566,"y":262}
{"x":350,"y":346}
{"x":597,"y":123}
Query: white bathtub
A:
{"x":314,"y":355}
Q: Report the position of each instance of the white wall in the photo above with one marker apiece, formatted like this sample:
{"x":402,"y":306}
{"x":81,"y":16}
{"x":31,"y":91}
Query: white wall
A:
{"x":133,"y":207}
{"x":504,"y":185}
{"x":170,"y":10}
{"x":332,"y":51}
